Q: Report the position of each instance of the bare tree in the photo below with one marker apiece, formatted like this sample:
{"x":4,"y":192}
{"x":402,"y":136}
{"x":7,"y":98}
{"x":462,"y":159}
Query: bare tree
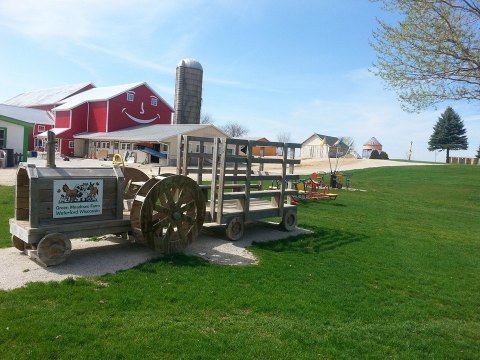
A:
{"x":283,"y":137}
{"x":347,"y":140}
{"x":234,"y":129}
{"x":206,"y":119}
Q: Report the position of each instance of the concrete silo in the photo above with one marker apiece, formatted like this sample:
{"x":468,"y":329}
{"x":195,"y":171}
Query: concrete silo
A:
{"x":188,"y":92}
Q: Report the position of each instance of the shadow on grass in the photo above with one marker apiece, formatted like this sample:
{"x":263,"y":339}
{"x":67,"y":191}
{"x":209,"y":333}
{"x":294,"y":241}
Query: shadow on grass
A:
{"x":179,"y":260}
{"x":321,"y":240}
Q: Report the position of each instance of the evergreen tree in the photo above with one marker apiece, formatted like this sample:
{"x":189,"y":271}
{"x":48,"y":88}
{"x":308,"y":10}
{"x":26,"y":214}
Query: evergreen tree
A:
{"x":448,"y":133}
{"x":374,"y":154}
{"x":478,"y":152}
{"x":383,"y":155}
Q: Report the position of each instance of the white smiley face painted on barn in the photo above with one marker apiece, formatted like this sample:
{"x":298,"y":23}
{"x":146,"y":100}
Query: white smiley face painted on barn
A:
{"x":138,"y":120}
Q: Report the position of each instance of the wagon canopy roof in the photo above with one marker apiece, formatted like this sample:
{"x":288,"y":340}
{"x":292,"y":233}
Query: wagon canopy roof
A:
{"x":31,"y":116}
{"x":149,"y":133}
{"x":103,"y":93}
{"x":46,"y":96}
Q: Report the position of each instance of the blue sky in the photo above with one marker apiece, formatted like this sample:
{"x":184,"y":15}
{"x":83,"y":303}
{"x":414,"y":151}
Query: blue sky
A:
{"x":296,"y":67}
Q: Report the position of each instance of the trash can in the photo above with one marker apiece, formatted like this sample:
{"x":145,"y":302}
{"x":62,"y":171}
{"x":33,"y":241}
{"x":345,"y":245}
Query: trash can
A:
{"x":333,"y":180}
{"x":3,"y":159}
{"x":339,"y":180}
{"x":9,"y":158}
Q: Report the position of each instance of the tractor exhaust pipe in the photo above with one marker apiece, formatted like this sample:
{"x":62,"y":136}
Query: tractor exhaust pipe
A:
{"x":51,"y":149}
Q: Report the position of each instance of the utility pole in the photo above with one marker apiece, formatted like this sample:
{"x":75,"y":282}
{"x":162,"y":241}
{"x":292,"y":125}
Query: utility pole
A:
{"x":410,"y":151}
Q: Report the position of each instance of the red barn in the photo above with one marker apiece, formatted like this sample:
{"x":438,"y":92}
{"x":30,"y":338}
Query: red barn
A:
{"x":107,"y":109}
{"x":45,"y":99}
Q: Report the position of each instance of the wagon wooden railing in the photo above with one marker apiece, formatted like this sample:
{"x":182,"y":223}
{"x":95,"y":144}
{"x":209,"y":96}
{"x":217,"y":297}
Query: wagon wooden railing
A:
{"x":231,"y":177}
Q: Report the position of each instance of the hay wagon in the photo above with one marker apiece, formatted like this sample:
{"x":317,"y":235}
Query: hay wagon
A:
{"x":167,"y":212}
{"x":234,"y":183}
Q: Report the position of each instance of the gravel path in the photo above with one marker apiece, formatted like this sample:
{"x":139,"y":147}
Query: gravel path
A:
{"x":95,"y":258}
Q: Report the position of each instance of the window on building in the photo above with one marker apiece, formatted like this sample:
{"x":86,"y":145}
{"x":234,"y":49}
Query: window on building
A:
{"x":115,"y":145}
{"x":153,"y":101}
{"x":41,"y":128}
{"x":3,"y":137}
{"x":125,"y":146}
{"x":197,"y":148}
{"x":70,"y":144}
{"x":165,"y":148}
{"x":105,"y":145}
{"x":229,"y":151}
{"x":130,"y":95}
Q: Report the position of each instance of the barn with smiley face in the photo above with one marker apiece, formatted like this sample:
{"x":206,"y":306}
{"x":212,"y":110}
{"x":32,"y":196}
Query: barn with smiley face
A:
{"x":107,"y":109}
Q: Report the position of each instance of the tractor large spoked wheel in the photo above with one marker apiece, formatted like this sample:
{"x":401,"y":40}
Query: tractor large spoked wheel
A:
{"x":172,"y":214}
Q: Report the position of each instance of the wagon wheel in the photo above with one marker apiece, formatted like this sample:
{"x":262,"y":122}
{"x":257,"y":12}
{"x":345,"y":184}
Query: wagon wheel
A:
{"x":289,"y":220}
{"x":132,"y":175}
{"x":53,"y":249}
{"x":235,"y":228}
{"x":18,"y":243}
{"x":172,"y":214}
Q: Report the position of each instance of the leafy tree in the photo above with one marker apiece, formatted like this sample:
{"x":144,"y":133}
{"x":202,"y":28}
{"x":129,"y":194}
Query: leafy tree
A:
{"x":478,"y":152}
{"x":448,"y":133}
{"x":432,"y":54}
{"x":374,"y":154}
{"x":234,"y":129}
{"x":383,"y":155}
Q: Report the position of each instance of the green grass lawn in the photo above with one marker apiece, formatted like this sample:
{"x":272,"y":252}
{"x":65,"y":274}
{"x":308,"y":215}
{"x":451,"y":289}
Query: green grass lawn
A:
{"x":393,"y":272}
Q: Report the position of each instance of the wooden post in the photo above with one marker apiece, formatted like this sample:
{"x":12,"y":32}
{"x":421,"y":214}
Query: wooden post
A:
{"x":51,"y":149}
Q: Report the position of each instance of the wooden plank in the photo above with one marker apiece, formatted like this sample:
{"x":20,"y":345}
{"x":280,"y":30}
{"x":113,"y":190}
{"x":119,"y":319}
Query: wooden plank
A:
{"x":246,"y":200}
{"x":179,"y":153}
{"x":257,"y":194}
{"x":261,"y":177}
{"x":214,"y":184}
{"x":30,"y":235}
{"x":199,"y":155}
{"x":201,"y":138}
{"x":118,"y":192}
{"x":235,"y":158}
{"x":33,"y":204}
{"x":185,"y":158}
{"x":231,"y":141}
{"x":220,"y":191}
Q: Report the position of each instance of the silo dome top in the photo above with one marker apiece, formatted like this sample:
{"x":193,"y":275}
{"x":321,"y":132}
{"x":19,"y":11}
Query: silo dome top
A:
{"x":190,"y":63}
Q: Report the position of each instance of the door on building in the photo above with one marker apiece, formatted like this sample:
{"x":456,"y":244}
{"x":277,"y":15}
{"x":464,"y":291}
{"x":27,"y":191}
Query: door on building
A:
{"x":154,"y":159}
